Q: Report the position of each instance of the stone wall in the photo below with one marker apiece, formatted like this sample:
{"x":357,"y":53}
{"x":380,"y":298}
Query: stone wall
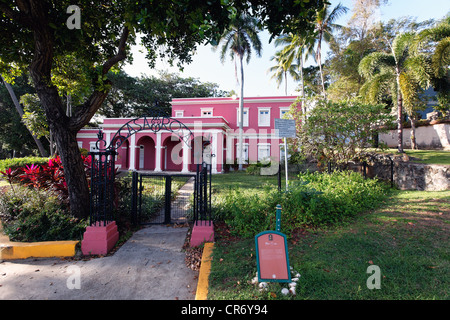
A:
{"x":408,"y":175}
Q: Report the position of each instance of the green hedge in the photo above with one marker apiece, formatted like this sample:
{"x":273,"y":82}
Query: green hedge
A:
{"x":315,"y":199}
{"x":20,"y":162}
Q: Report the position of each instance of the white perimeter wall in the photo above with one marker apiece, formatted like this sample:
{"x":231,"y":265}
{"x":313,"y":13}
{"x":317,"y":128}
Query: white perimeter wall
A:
{"x":436,"y":136}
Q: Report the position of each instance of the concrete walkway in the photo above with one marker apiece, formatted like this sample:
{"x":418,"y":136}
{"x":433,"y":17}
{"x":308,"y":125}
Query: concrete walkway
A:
{"x":149,"y":266}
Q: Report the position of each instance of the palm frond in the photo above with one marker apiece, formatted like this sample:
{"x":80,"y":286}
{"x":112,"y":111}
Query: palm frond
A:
{"x":441,"y":58}
{"x":375,"y":63}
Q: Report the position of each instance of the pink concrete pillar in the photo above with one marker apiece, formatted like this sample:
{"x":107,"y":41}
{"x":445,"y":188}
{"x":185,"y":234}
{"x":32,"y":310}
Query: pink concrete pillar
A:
{"x":99,"y":238}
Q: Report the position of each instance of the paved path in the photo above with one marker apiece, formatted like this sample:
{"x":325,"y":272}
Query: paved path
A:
{"x":150,"y":265}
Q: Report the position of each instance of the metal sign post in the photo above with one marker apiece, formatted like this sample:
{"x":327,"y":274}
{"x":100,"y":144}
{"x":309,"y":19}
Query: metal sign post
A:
{"x":286,"y":129}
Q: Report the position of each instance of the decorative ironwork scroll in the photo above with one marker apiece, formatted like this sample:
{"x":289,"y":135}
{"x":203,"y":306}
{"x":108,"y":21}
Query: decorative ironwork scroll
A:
{"x":102,"y":184}
{"x":103,"y":161}
{"x":155,"y":125}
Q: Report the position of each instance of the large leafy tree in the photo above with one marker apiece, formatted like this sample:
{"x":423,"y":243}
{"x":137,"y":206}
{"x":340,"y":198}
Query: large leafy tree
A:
{"x":151,"y":95}
{"x":34,"y":35}
{"x":238,"y":40}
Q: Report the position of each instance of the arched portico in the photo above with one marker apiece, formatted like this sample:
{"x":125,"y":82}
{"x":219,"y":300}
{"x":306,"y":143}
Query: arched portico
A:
{"x":145,"y":153}
{"x":172,"y":154}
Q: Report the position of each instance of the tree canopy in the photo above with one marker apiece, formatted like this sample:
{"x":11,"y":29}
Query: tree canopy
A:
{"x":36,"y":34}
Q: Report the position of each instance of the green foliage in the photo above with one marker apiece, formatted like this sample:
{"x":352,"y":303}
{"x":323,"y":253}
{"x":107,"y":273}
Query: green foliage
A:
{"x":21,"y":162}
{"x":338,"y":132}
{"x":36,"y":215}
{"x":133,"y":97}
{"x":314,"y":200}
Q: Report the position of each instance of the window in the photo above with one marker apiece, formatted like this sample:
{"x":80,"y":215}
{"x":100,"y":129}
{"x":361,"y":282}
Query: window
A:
{"x":93,"y":146}
{"x":245,"y":117}
{"x":264,"y":117}
{"x":179,"y":113}
{"x":244,"y":153}
{"x":207,"y":112}
{"x":283,"y":111}
{"x":80,"y":144}
{"x":264,"y":152}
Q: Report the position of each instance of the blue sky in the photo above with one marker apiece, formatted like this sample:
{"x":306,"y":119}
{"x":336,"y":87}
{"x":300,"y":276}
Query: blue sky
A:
{"x":206,"y":65}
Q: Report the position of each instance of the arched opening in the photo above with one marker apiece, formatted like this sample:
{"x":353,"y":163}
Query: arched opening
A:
{"x":122,"y":159}
{"x":145,"y":154}
{"x":172,"y":154}
{"x":200,"y":151}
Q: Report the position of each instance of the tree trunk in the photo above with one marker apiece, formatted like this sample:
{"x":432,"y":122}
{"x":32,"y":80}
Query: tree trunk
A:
{"x":321,"y":74}
{"x":241,"y":116}
{"x":19,"y":109}
{"x":74,"y":173}
{"x":302,"y":85}
{"x":399,"y":117}
{"x":64,"y":128}
{"x":68,"y":150}
{"x":413,"y":133}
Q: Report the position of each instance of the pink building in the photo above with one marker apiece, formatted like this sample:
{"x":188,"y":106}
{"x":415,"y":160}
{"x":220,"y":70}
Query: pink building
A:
{"x":214,"y":124}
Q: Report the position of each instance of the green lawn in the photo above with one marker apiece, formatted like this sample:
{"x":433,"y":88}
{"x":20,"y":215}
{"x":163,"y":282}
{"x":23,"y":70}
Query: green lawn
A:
{"x":407,"y":238}
{"x":427,"y":156}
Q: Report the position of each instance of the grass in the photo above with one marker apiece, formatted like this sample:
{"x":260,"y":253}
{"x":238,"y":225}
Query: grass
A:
{"x":427,"y":156}
{"x":407,"y":238}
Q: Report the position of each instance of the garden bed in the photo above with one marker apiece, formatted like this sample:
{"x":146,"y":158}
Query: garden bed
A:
{"x":406,"y":236}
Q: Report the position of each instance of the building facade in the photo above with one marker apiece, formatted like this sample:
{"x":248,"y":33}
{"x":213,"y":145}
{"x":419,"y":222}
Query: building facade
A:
{"x":214,"y":124}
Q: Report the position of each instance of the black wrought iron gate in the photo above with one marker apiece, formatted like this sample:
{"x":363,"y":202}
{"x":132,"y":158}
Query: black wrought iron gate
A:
{"x":171,"y":198}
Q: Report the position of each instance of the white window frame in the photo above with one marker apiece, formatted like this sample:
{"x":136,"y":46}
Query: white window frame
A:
{"x":261,"y":147}
{"x":263,"y":123}
{"x":93,"y":146}
{"x":80,"y":144}
{"x":209,"y":112}
{"x":245,"y":153}
{"x":179,"y":113}
{"x":283,"y":109}
{"x":246,"y":117}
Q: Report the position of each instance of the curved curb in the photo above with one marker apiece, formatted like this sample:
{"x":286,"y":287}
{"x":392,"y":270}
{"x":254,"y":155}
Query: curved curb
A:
{"x":10,"y":250}
{"x":205,"y":270}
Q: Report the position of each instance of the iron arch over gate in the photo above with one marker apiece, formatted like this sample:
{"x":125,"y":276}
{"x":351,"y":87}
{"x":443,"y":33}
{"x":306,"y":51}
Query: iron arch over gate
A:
{"x":102,"y":193}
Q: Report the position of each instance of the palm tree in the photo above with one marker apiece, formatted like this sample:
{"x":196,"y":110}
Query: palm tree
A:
{"x":324,"y":27}
{"x":399,"y":73}
{"x":239,"y":39}
{"x":282,"y":68}
{"x":296,"y":48}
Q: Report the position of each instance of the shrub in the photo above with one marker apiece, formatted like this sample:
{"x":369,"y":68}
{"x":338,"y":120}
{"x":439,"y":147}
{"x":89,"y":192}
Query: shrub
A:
{"x":314,"y":200}
{"x":29,"y":215}
{"x":45,"y":176}
{"x":15,"y":163}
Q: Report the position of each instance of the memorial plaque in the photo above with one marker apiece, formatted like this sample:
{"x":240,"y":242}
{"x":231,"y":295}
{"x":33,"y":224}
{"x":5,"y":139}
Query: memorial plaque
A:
{"x":286,"y":128}
{"x":272,"y":257}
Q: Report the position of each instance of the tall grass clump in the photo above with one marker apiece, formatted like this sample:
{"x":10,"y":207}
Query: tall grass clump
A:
{"x":314,"y":200}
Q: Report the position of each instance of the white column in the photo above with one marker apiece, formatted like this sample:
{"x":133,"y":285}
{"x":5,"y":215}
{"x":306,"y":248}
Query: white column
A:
{"x":185,"y":158}
{"x":158,"y":152}
{"x":132,"y":153}
{"x":230,"y":149}
{"x":214,"y":153}
{"x":108,"y":139}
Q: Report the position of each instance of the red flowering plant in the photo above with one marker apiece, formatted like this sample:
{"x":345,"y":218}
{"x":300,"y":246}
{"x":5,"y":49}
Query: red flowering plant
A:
{"x":48,"y":176}
{"x":11,"y":176}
